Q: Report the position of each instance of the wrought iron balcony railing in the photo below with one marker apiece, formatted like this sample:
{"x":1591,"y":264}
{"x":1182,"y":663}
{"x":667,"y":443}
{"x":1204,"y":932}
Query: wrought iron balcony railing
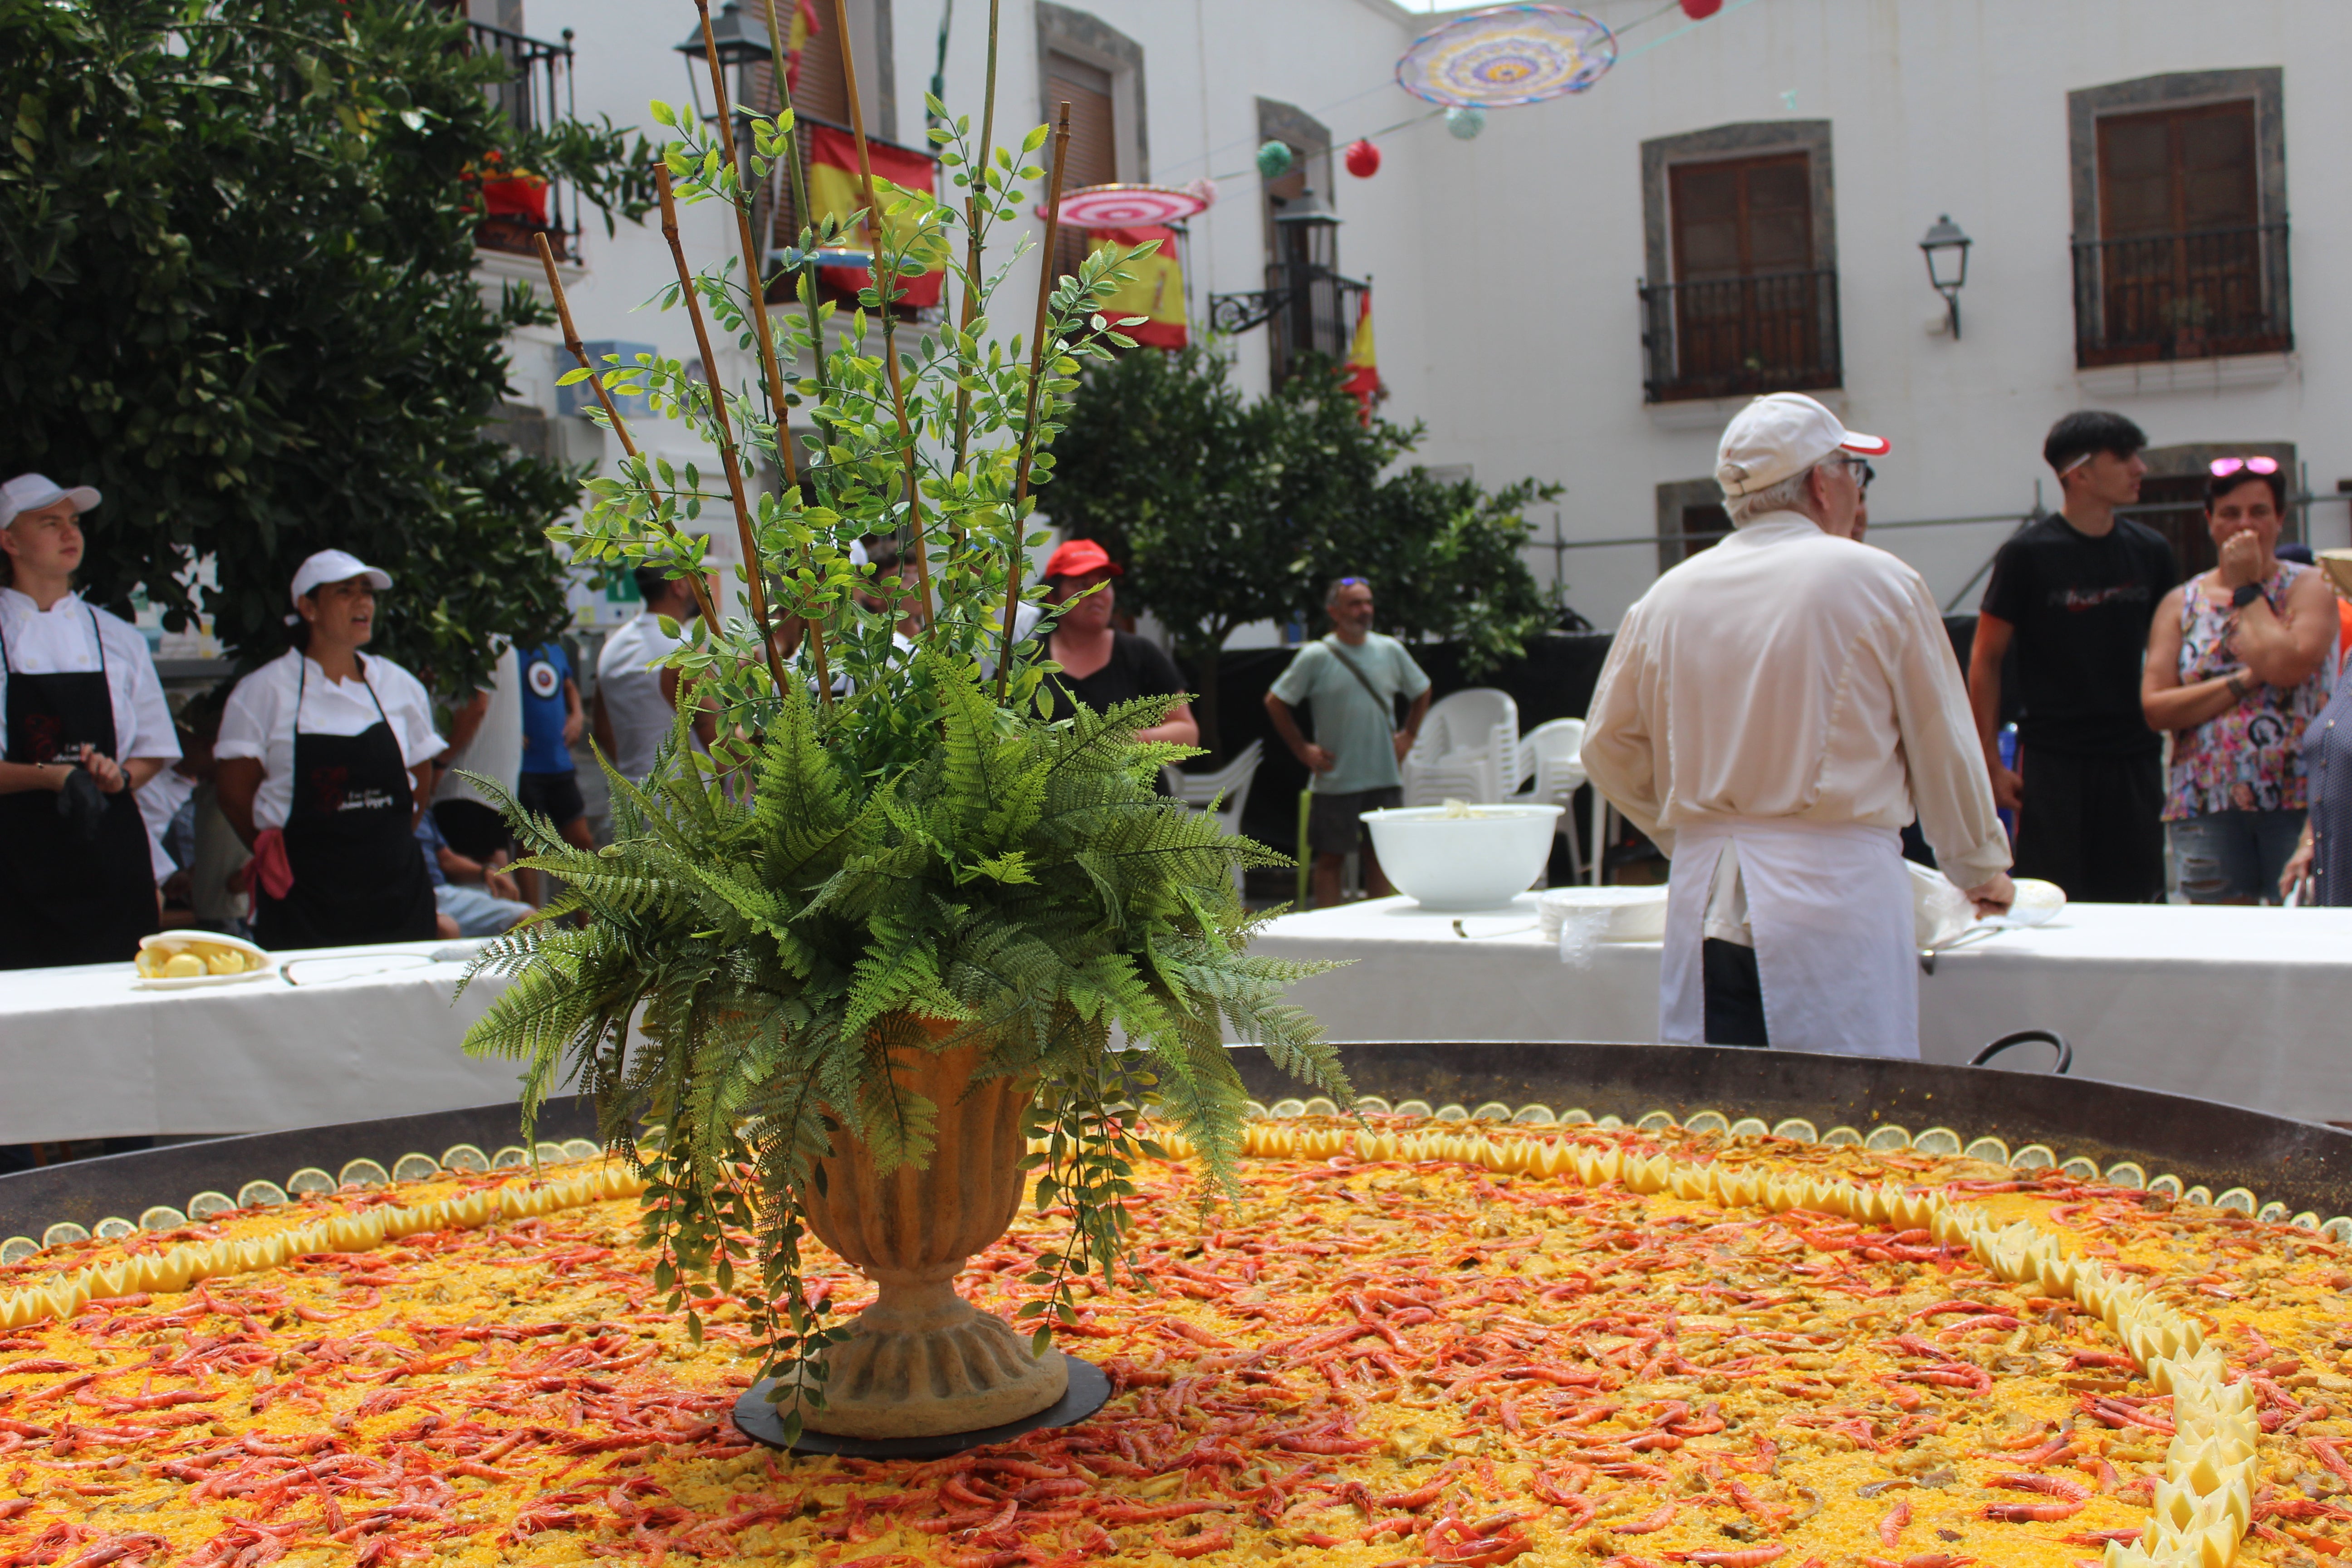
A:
{"x":2198,"y":294}
{"x":520,"y":206}
{"x":1725,"y":337}
{"x":1307,"y":310}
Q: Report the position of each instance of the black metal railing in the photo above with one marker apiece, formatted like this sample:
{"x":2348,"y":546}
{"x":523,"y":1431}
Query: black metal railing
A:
{"x":2198,"y":294}
{"x":1315,"y":312}
{"x":537,"y":72}
{"x":1727,"y":336}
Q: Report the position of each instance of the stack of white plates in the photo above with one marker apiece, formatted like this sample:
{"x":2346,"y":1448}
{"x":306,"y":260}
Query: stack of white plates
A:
{"x":1577,"y":918}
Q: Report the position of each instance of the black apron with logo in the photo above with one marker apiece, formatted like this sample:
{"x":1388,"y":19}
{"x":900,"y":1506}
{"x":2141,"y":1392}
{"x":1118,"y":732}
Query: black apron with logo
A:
{"x":65,"y":899}
{"x":351,"y":842}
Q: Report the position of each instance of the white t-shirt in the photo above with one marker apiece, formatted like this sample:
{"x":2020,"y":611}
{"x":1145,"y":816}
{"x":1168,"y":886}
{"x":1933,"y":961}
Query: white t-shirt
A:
{"x":631,"y":689}
{"x":496,"y":749}
{"x":260,"y":719}
{"x":57,"y":641}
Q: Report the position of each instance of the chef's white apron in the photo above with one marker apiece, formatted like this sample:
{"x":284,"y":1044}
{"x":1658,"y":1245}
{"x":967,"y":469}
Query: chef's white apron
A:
{"x":1830,"y":906}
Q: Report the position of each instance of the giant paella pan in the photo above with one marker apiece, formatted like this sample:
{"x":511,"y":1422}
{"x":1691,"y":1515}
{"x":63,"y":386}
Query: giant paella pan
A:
{"x":1570,"y":1304}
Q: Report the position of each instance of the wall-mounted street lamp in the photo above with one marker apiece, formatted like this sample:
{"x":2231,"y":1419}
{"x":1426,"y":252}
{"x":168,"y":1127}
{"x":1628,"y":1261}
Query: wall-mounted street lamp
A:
{"x":1309,"y":247}
{"x":738,"y":46}
{"x":1946,"y":249}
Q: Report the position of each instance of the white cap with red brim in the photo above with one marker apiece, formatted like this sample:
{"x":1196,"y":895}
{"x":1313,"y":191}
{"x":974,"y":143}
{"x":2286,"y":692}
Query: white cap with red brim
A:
{"x":1781,"y":434}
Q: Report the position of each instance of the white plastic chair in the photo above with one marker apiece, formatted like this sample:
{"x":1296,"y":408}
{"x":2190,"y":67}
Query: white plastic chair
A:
{"x":1468,"y":749}
{"x":1548,"y":755}
{"x":1231,"y":781}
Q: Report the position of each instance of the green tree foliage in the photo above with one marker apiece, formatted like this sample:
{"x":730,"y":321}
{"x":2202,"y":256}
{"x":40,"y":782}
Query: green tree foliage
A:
{"x":237,"y":262}
{"x":1228,"y":512}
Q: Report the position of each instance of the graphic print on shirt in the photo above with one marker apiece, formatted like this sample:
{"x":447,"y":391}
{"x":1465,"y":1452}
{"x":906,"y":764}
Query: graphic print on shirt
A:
{"x":544,"y":681}
{"x":2092,"y":598}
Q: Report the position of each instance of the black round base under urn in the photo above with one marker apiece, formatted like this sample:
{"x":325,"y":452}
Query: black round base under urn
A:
{"x":757,"y":1419}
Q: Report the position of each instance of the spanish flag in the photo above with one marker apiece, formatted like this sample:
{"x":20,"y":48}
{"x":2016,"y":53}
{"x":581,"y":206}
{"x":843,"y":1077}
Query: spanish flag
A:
{"x":804,"y":26}
{"x":836,"y":191}
{"x":1363,"y":370}
{"x":1158,"y":292}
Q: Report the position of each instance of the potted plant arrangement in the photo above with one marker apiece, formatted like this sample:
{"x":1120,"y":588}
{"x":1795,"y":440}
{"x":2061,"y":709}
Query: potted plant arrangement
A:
{"x":838,"y":974}
{"x":513,"y":203}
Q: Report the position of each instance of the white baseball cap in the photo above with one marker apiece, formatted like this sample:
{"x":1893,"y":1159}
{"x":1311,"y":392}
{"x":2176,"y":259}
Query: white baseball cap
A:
{"x":337,"y":566}
{"x":30,"y":493}
{"x":1780,"y":434}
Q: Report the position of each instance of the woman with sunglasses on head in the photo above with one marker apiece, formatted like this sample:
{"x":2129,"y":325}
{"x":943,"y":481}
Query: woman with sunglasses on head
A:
{"x":2237,"y":663}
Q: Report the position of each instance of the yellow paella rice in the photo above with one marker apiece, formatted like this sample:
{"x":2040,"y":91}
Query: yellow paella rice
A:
{"x":1367,"y":1360}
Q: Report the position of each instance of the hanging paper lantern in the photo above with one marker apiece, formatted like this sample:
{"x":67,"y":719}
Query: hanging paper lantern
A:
{"x":1274,"y":160}
{"x":1511,"y":54}
{"x":1363,"y":159}
{"x":1464,"y":121}
{"x":1700,"y":10}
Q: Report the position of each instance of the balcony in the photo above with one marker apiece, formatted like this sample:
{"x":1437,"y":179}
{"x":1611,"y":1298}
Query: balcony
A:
{"x":1729,"y":337}
{"x":2198,"y":294}
{"x":517,"y":205}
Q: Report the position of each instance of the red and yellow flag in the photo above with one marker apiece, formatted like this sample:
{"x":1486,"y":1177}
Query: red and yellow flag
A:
{"x":1157,"y":294}
{"x":836,"y":191}
{"x":1363,"y":377}
{"x":804,"y":26}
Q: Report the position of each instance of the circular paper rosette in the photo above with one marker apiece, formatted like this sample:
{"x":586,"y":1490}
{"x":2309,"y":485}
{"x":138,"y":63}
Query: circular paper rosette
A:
{"x":1130,"y":206}
{"x":1511,"y":54}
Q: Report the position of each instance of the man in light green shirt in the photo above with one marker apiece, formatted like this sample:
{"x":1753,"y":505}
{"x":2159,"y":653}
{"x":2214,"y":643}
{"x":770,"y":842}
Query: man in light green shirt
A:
{"x":1353,"y":679}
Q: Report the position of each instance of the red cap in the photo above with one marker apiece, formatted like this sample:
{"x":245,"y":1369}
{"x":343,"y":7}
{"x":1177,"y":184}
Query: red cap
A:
{"x":1076,"y":557}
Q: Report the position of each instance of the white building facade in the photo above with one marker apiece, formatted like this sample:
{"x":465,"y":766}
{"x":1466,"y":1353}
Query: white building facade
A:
{"x":1588,"y":289}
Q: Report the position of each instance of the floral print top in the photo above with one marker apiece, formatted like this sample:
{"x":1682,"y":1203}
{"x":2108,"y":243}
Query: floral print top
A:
{"x":2250,"y":757}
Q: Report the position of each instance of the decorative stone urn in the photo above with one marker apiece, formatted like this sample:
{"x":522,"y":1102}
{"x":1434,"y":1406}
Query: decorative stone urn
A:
{"x":922,"y":1361}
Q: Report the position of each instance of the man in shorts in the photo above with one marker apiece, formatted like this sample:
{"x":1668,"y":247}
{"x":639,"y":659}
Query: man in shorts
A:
{"x":1353,"y":679}
{"x":549,"y":786}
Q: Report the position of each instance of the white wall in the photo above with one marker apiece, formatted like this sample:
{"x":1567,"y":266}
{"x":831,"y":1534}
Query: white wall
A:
{"x":1505,"y":267}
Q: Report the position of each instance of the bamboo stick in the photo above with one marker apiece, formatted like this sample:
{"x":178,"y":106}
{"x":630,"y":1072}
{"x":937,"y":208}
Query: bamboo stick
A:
{"x":799,"y":175}
{"x":700,"y":583}
{"x":882,"y":293}
{"x":756,"y":287}
{"x":971,"y":223}
{"x":1045,"y":281}
{"x":711,"y":388}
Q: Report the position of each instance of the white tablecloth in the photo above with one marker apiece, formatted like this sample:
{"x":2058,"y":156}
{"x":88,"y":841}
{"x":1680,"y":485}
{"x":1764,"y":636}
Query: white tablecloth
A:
{"x":362,"y":1032}
{"x":2239,"y":1005}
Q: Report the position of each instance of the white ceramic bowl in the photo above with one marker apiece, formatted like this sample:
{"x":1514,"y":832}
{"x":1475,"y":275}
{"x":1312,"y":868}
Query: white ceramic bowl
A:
{"x":1479,"y":862}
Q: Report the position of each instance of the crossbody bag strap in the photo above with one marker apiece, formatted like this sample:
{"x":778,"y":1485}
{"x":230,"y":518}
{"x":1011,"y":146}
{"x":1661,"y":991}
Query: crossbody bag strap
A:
{"x":1388,"y":703}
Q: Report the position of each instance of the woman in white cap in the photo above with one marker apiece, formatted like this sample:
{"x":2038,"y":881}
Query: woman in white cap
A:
{"x":85,"y":725}
{"x":324,"y":756}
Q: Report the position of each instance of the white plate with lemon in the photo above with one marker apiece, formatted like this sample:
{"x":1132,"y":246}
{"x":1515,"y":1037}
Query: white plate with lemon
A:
{"x":187,"y":960}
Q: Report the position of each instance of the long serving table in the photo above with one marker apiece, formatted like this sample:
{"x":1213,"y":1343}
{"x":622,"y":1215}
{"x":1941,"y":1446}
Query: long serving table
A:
{"x":340,"y":1034}
{"x":2237,"y":1005}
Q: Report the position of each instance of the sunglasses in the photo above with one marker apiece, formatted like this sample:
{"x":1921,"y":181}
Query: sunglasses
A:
{"x":1863,"y":474}
{"x":2222,"y":468}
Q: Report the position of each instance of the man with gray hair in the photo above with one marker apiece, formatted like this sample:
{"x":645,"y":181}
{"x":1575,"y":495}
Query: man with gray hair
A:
{"x":1773,"y":713}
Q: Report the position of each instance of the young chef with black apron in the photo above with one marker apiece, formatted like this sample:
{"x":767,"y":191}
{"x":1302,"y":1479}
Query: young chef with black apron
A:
{"x":86,"y":724}
{"x":324,"y":756}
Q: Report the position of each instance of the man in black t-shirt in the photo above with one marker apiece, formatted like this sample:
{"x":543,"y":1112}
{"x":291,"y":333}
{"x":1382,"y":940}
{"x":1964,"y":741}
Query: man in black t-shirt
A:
{"x":2073,"y":593}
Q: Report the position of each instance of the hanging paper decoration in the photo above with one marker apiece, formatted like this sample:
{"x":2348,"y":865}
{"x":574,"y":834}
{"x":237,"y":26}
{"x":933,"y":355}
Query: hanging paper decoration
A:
{"x":1126,"y":206}
{"x":1363,"y":160}
{"x":1157,"y":292}
{"x":1463,"y":122}
{"x":1274,"y":160}
{"x":1206,"y":189}
{"x":1700,"y":10}
{"x":1511,"y":54}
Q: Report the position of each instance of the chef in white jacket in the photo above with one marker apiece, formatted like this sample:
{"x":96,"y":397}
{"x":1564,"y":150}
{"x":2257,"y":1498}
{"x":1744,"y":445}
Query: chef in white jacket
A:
{"x":1773,"y":713}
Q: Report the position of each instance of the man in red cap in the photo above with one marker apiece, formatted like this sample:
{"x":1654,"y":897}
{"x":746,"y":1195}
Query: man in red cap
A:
{"x":1773,"y":712}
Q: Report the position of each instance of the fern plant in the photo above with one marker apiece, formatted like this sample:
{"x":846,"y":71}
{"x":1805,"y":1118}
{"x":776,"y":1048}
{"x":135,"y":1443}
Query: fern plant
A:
{"x":888,"y":829}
